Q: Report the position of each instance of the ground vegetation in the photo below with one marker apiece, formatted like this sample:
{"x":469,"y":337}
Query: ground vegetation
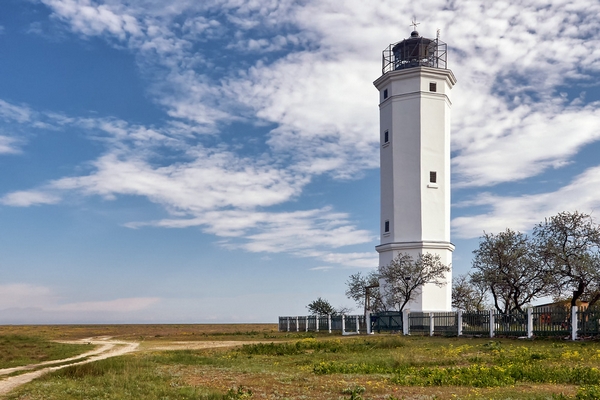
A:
{"x":321,"y":366}
{"x":18,"y":350}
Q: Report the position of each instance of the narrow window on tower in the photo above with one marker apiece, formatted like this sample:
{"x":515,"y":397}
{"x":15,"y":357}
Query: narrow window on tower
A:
{"x":386,"y":136}
{"x":385,"y":94}
{"x":432,"y":177}
{"x":432,"y":87}
{"x":386,"y":227}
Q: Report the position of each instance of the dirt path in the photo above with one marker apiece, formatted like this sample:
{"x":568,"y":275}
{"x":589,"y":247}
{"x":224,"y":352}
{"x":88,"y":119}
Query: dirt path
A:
{"x":106,"y":348}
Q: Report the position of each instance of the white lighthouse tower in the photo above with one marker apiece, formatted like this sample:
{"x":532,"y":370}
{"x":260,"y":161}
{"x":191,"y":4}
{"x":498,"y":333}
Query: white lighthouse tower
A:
{"x":414,"y":106}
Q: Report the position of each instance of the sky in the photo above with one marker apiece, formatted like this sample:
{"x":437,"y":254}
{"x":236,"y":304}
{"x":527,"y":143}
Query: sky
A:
{"x":218,"y":160}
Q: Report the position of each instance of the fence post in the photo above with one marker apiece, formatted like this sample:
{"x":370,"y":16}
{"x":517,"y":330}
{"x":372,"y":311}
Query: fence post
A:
{"x":492,"y":323}
{"x":288,"y":324}
{"x":405,"y":323}
{"x":329,"y":322}
{"x":343,"y":324}
{"x":317,"y":323}
{"x":459,"y":322}
{"x":306,"y":327}
{"x":529,"y":323}
{"x":297,"y":325}
{"x":431,"y":327}
{"x":574,"y":323}
{"x":368,"y":322}
{"x":357,"y":325}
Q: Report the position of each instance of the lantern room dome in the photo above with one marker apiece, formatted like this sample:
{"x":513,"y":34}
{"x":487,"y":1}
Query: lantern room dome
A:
{"x":416,"y":51}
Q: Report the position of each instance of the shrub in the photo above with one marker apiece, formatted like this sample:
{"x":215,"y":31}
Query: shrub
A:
{"x":324,"y":346}
{"x":589,"y":392}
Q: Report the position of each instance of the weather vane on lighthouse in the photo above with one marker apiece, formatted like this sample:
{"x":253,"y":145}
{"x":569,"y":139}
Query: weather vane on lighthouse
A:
{"x":414,"y":23}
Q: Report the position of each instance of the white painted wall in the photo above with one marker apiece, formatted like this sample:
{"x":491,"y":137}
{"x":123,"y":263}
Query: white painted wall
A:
{"x":418,"y":122}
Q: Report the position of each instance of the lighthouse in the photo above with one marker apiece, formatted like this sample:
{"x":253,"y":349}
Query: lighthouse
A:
{"x":414,"y":115}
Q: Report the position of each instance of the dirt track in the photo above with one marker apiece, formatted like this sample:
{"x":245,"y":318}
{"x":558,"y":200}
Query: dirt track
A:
{"x":107,"y":347}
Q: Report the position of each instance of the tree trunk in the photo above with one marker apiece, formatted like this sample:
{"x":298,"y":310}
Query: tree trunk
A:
{"x":577,"y":293}
{"x":594,"y":299}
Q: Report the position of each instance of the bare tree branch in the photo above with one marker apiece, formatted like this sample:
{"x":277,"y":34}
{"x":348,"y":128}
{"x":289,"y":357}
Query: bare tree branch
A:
{"x":404,"y":277}
{"x":569,"y":245}
{"x":469,"y":293}
{"x":505,"y":263}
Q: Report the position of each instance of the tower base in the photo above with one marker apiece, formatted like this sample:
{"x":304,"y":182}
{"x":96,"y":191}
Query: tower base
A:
{"x":431,"y":297}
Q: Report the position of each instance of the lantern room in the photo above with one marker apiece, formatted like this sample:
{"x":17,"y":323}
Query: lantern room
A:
{"x":416,"y":51}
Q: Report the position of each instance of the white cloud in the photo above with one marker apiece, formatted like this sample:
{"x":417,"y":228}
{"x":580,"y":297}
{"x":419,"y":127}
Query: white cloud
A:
{"x":24,"y":295}
{"x":360,"y":260}
{"x":118,"y":305}
{"x":90,"y":18}
{"x":7,"y":145}
{"x":12,"y":112}
{"x":325,"y":268}
{"x":303,"y":230}
{"x":524,"y":142}
{"x":523,"y":212}
{"x":346,"y":260}
{"x":212,"y":180}
{"x":321,"y":128}
{"x":298,"y":232}
{"x":510,"y":122}
{"x":28,"y":198}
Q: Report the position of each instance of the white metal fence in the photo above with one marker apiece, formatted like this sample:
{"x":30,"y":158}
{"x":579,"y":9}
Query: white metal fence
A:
{"x":537,"y":321}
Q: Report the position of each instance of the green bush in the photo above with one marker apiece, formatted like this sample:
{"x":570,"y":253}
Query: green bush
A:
{"x":183,"y":357}
{"x":239,"y":393}
{"x":490,"y":376}
{"x":335,"y":367}
{"x":590,"y":392}
{"x":355,"y":392}
{"x":310,"y":345}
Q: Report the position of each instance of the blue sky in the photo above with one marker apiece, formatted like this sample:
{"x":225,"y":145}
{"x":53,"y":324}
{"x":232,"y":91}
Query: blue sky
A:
{"x":217,"y":161}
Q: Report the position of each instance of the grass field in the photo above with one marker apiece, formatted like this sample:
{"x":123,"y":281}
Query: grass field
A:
{"x":308,"y":366}
{"x":144,"y":332}
{"x":18,"y":350}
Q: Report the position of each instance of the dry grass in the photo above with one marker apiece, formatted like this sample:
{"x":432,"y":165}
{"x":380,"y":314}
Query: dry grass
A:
{"x":179,"y":332}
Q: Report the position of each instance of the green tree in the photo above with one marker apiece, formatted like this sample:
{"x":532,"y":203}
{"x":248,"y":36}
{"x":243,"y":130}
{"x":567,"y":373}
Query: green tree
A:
{"x":321,"y":307}
{"x":505,"y":264}
{"x":404,"y":277}
{"x":568,"y":244}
